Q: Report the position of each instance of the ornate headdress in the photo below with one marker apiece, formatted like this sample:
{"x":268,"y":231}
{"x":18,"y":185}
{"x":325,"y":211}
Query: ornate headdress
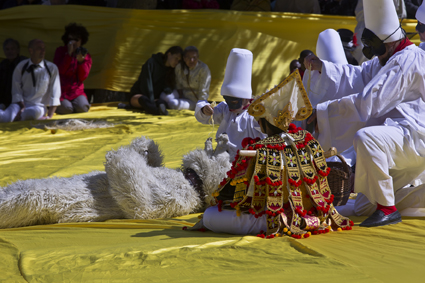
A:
{"x":284,"y":103}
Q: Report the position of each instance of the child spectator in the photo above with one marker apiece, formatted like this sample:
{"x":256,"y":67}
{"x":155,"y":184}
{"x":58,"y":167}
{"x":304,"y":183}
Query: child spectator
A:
{"x":232,"y":114}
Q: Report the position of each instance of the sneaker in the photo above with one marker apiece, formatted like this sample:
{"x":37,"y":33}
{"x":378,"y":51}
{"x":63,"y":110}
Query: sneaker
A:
{"x":163,"y":110}
{"x":122,"y":106}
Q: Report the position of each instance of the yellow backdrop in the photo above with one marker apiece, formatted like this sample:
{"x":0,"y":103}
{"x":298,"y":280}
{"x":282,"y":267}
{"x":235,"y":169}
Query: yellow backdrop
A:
{"x":121,"y":40}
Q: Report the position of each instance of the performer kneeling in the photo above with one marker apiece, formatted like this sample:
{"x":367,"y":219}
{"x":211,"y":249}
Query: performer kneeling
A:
{"x":278,"y":184}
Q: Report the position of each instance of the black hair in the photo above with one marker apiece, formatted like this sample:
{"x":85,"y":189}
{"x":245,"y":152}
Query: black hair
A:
{"x":75,"y":29}
{"x":267,"y":125}
{"x":170,"y":75}
{"x":11,"y":40}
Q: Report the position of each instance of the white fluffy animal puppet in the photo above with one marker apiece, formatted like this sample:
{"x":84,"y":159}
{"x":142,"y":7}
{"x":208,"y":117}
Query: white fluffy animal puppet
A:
{"x":135,"y":185}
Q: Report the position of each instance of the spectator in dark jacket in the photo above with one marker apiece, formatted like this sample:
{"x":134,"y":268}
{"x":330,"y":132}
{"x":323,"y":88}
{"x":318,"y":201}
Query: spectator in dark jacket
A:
{"x":411,"y":7}
{"x":157,"y":76}
{"x":7,"y":66}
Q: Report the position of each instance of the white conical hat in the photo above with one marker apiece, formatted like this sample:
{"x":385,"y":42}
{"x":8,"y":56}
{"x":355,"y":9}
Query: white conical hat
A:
{"x":284,"y":103}
{"x":381,"y":18}
{"x":329,"y":47}
{"x":237,"y":78}
{"x":420,"y":13}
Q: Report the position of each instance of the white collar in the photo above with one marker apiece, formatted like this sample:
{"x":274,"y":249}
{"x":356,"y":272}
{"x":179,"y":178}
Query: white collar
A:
{"x":41,"y":64}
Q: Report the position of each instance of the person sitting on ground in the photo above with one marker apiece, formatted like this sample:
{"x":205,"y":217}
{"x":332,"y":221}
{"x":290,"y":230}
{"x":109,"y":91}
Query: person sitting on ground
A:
{"x":74,"y":64}
{"x":200,"y":4}
{"x":157,"y":76}
{"x":303,"y":54}
{"x":297,"y":6}
{"x":232,"y":113}
{"x":250,"y":5}
{"x":193,"y":80}
{"x":294,"y":65}
{"x":380,"y":114}
{"x":7,"y":66}
{"x":35,"y":86}
{"x":277,"y":185}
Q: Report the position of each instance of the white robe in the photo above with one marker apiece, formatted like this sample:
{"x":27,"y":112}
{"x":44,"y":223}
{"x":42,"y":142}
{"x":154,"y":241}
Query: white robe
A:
{"x":391,"y":96}
{"x":236,"y":126}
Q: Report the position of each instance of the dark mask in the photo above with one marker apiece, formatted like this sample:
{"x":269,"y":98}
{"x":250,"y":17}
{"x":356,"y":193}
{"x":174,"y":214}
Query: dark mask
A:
{"x":420,"y":27}
{"x":373,"y":45}
{"x":233,"y":102}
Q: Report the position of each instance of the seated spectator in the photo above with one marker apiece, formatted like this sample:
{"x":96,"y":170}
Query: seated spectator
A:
{"x":250,"y":5}
{"x":193,"y":80}
{"x":338,"y":7}
{"x":157,"y":76}
{"x":74,"y":64}
{"x":303,"y":54}
{"x":298,"y":6}
{"x":35,"y":86}
{"x":7,"y":66}
{"x":169,"y":4}
{"x":411,"y":7}
{"x":200,"y":4}
{"x":15,"y":3}
{"x":134,"y":4}
{"x":294,"y":65}
{"x":101,"y":3}
{"x":349,"y":42}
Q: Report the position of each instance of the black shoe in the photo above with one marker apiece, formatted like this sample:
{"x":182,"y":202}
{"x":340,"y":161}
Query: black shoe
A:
{"x":123,"y":106}
{"x":163,"y":110}
{"x":378,"y":218}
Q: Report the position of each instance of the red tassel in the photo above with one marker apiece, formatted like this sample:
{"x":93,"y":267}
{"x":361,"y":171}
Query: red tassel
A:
{"x":184,"y":228}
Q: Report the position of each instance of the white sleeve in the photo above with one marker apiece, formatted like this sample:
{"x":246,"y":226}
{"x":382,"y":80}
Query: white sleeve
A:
{"x":335,"y":81}
{"x":54,"y":90}
{"x":17,"y":92}
{"x":219,"y":112}
{"x":339,"y":120}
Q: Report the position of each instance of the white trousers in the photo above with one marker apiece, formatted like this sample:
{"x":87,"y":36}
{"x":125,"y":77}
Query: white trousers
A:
{"x":227,"y":221}
{"x":174,"y":101}
{"x":29,"y":113}
{"x":386,"y":161}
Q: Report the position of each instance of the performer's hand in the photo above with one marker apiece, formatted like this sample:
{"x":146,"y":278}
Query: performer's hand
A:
{"x":207,"y":110}
{"x":313,"y":119}
{"x":313,"y":61}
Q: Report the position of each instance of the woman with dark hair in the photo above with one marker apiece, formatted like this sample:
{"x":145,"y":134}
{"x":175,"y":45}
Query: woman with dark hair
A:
{"x":74,"y":64}
{"x":193,"y":78}
{"x":157,"y":76}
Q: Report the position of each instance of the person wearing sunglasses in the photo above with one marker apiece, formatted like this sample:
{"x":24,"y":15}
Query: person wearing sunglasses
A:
{"x":381,"y":114}
{"x":232,"y":113}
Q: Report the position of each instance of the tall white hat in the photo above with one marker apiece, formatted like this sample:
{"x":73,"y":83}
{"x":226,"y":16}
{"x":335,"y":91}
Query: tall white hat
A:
{"x":284,"y":103}
{"x":237,"y":78}
{"x":381,"y":18}
{"x":420,"y":13}
{"x":329,"y":47}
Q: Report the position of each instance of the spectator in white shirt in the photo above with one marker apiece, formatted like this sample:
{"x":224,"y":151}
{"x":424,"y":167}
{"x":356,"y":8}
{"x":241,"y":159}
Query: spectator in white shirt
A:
{"x":35,"y":86}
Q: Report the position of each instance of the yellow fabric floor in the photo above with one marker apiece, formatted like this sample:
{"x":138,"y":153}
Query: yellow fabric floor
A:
{"x":159,"y":250}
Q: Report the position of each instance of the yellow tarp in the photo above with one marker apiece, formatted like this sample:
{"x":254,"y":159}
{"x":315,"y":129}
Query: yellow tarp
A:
{"x":158,"y":250}
{"x":121,"y":40}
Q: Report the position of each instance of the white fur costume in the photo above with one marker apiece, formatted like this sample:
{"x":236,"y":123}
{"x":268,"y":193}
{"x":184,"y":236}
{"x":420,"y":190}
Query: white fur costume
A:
{"x":135,"y":185}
